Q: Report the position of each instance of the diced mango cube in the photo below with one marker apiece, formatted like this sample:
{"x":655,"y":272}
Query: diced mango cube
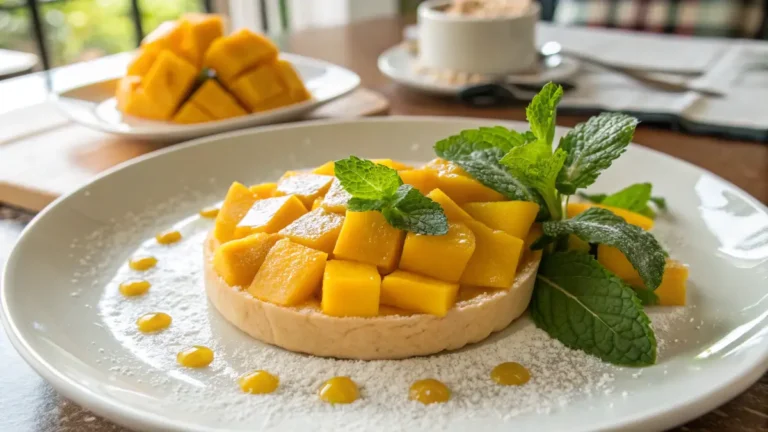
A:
{"x":216,"y":101}
{"x":533,"y":234}
{"x":452,"y":211}
{"x":291,"y":274}
{"x":577,"y":244}
{"x":191,"y":113}
{"x":350,"y":289}
{"x":442,"y":166}
{"x":291,"y":81}
{"x":422,"y":179}
{"x":168,"y":81}
{"x":615,"y":261}
{"x":633,"y":218}
{"x":457,"y":184}
{"x":494,"y":263}
{"x":317,"y":229}
{"x":672,"y":291}
{"x":144,"y":59}
{"x":513,"y":217}
{"x":441,"y":257}
{"x":232,"y":55}
{"x":417,"y":293}
{"x":264,"y":190}
{"x":171,"y":36}
{"x":132,"y":100}
{"x":336,"y":198}
{"x":395,"y":165}
{"x":367,"y":237}
{"x":270,"y":215}
{"x":306,"y":186}
{"x":236,"y":204}
{"x":257,"y":86}
{"x":238,"y":261}
{"x":204,"y":29}
{"x":327,"y":168}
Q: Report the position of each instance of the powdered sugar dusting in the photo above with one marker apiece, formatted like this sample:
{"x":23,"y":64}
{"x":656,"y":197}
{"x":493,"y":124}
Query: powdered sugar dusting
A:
{"x":560,"y":376}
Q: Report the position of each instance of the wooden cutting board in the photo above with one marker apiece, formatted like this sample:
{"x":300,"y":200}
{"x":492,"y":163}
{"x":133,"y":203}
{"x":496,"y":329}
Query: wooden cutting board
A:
{"x":44,"y":155}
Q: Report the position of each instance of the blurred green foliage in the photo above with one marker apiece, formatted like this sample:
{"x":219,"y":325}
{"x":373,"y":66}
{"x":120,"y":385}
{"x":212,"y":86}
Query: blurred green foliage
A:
{"x":78,"y":30}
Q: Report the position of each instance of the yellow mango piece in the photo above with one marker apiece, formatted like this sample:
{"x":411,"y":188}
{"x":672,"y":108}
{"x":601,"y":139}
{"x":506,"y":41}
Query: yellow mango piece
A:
{"x":417,"y":293}
{"x":325,"y":169}
{"x":291,"y":81}
{"x":264,"y":190}
{"x":316,"y":203}
{"x":238,"y":261}
{"x":171,"y":36}
{"x":442,"y":166}
{"x":513,"y":217}
{"x":672,"y":290}
{"x":168,"y":81}
{"x":306,"y":186}
{"x":577,"y":244}
{"x":533,"y":234}
{"x":615,"y":261}
{"x":230,"y":56}
{"x":213,"y":99}
{"x":441,"y":257}
{"x":236,"y":204}
{"x":291,"y":274}
{"x":279,"y":101}
{"x":350,"y":289}
{"x":255,"y":87}
{"x":367,"y":237}
{"x":452,"y":211}
{"x":191,"y":113}
{"x":270,"y":215}
{"x":633,"y":218}
{"x":392,"y":164}
{"x":422,"y":179}
{"x":204,"y":29}
{"x":317,"y":229}
{"x":144,"y":59}
{"x":132,"y":100}
{"x":458,"y":185}
{"x":494,"y":263}
{"x":336,"y":198}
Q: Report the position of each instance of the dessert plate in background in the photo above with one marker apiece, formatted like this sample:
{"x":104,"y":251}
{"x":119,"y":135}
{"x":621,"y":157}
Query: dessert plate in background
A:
{"x":61,"y":308}
{"x":94,"y":105}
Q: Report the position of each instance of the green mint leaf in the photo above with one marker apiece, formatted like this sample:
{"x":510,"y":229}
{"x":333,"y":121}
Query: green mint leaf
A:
{"x":633,"y":198}
{"x":412,"y":211}
{"x":592,"y":147}
{"x":362,"y":205}
{"x":595,"y":198}
{"x":647,"y":297}
{"x":537,"y":167}
{"x":597,"y":225}
{"x":542,"y":112}
{"x":660,"y":202}
{"x":366,"y":180}
{"x":467,"y":141}
{"x":584,"y":306}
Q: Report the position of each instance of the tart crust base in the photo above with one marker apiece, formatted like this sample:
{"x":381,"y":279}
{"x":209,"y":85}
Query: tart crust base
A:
{"x":306,"y":329}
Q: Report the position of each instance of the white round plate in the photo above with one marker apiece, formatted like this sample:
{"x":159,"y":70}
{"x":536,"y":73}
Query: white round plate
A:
{"x":94,"y":105}
{"x":62,"y":311}
{"x":401,"y":66}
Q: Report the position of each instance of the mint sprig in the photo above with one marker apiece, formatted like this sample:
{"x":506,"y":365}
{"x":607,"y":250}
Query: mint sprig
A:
{"x":597,"y":225}
{"x":584,"y":306}
{"x":592,"y":147}
{"x":536,"y":166}
{"x":633,"y":198}
{"x":376,"y":187}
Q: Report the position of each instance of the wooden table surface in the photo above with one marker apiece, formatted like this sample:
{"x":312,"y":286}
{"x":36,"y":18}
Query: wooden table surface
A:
{"x":28,"y":403}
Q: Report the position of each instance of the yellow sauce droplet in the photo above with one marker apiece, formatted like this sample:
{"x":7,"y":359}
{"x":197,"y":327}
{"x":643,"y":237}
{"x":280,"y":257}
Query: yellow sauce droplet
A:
{"x":153,"y":321}
{"x":209,"y":212}
{"x":168,"y":237}
{"x":510,"y":373}
{"x":142,"y":263}
{"x":429,"y":391}
{"x":195,"y":357}
{"x":339,"y":390}
{"x":258,"y":382}
{"x":134,"y":288}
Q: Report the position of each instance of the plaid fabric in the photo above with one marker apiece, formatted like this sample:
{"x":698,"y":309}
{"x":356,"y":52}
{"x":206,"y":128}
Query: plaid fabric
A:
{"x":728,"y":18}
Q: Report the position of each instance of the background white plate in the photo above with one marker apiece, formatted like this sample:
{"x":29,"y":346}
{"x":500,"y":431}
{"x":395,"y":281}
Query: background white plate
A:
{"x":57,"y":310}
{"x":400,"y":65}
{"x":94,"y":105}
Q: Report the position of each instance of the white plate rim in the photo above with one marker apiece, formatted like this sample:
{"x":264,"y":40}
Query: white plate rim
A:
{"x":175,"y":131}
{"x":666,"y":417}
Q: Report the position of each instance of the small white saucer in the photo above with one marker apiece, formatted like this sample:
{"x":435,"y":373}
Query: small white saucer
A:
{"x":399,"y":64}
